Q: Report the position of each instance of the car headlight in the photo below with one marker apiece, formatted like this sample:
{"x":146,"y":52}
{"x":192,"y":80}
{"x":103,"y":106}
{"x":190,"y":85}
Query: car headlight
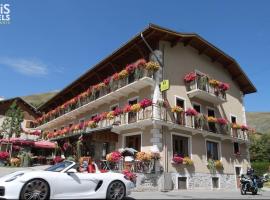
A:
{"x":14,"y":177}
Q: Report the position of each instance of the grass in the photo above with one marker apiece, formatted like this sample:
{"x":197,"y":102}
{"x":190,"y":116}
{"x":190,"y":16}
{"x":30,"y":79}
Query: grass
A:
{"x":259,"y":121}
{"x":38,"y":99}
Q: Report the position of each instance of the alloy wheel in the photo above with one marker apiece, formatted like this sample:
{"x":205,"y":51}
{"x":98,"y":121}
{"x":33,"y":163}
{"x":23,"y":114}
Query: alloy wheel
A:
{"x":35,"y":190}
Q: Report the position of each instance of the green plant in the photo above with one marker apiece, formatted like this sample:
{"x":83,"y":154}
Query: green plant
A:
{"x":260,"y":167}
{"x":211,"y":166}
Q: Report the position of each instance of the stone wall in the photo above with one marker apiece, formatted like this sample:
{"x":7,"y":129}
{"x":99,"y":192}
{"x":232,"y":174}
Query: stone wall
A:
{"x":155,"y":182}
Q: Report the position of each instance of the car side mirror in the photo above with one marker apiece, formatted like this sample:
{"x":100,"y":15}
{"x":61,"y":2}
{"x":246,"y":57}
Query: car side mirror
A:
{"x":71,"y":171}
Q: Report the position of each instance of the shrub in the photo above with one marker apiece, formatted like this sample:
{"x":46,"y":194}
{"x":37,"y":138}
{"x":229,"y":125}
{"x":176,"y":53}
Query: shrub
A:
{"x":260,"y":168}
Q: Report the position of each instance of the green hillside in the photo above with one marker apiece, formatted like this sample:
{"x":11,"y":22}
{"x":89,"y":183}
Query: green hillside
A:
{"x":259,"y":120}
{"x":38,"y":99}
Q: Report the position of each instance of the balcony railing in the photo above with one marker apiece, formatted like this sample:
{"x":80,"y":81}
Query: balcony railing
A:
{"x":165,"y":117}
{"x":138,"y":80}
{"x":201,"y":88}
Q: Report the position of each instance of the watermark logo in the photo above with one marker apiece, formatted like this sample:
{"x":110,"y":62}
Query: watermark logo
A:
{"x":5,"y":13}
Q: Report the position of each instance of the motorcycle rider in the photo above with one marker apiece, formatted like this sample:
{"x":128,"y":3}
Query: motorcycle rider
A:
{"x":252,"y":176}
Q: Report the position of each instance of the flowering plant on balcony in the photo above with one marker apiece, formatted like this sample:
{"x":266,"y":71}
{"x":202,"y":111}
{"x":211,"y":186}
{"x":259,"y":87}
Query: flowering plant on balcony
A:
{"x":211,"y":119}
{"x":106,"y":81}
{"x":140,"y":63}
{"x":177,"y":109}
{"x":110,"y":115}
{"x":129,"y":175}
{"x":191,"y":112}
{"x":130,"y":68}
{"x":244,"y":128}
{"x":143,"y":156}
{"x":97,"y":119}
{"x":92,"y":124}
{"x":190,"y":77}
{"x":214,"y":83}
{"x":114,"y":156}
{"x":127,"y":108}
{"x":123,"y":74}
{"x":152,"y":66}
{"x":177,"y":159}
{"x":218,"y":164}
{"x":4,"y":155}
{"x":115,"y":76}
{"x":135,"y":107}
{"x":223,"y":86}
{"x":117,"y":111}
{"x":222,"y":121}
{"x":146,"y":103}
{"x":236,"y":126}
{"x":103,"y":115}
{"x":187,"y":161}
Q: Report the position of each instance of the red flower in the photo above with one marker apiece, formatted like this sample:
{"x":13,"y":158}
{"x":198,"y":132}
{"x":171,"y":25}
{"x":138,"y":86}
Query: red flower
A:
{"x":129,"y":175}
{"x":146,"y":103}
{"x":115,"y":76}
{"x":4,"y":155}
{"x":191,"y":112}
{"x":130,"y":68}
{"x":117,"y":111}
{"x":177,"y":159}
{"x":190,"y":77}
{"x":96,"y":119}
{"x":107,"y":81}
{"x":244,"y":128}
{"x":57,"y":159}
{"x":224,"y":86}
{"x":140,"y":63}
{"x":222,"y":121}
{"x":127,"y":109}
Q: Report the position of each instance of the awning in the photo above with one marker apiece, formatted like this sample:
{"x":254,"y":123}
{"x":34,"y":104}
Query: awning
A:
{"x":44,"y":144}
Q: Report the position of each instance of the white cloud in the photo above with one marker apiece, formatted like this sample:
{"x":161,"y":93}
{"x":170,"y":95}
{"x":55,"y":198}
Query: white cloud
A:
{"x":31,"y":67}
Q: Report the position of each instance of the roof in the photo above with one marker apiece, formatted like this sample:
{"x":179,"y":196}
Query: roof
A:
{"x":11,"y":100}
{"x":135,"y":48}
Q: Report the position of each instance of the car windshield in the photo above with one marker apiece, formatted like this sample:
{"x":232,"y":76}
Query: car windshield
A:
{"x":59,"y":166}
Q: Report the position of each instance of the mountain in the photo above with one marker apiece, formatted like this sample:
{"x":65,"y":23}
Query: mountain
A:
{"x":259,"y":120}
{"x":38,"y":99}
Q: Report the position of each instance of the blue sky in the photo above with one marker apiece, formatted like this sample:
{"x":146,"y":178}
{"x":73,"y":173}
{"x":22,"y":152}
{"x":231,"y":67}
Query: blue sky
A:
{"x":50,"y":43}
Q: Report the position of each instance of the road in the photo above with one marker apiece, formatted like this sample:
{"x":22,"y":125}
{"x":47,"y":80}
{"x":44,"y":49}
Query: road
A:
{"x":183,"y":194}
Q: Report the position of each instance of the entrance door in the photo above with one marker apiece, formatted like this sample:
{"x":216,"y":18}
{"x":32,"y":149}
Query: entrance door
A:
{"x":238,"y":174}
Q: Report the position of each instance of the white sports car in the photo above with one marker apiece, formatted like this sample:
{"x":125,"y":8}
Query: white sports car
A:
{"x":62,"y":181}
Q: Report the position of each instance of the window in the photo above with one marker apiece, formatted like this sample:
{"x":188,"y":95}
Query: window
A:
{"x":236,"y":148}
{"x":180,"y":118}
{"x":212,"y":150}
{"x":132,"y":117}
{"x":180,"y":145}
{"x":212,"y":126}
{"x":233,"y":119}
{"x":133,"y":141}
{"x":197,"y":107}
{"x":215,"y":182}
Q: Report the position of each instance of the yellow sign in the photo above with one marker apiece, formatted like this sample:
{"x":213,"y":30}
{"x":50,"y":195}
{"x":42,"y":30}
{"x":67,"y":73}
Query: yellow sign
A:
{"x":164,"y":85}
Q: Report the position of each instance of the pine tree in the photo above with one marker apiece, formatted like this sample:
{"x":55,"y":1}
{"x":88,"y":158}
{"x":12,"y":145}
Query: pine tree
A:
{"x":12,"y":122}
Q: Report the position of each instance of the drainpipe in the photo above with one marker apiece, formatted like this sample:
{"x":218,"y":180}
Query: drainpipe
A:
{"x":161,"y":63}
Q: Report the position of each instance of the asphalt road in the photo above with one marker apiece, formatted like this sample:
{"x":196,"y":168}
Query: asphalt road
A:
{"x":180,"y":194}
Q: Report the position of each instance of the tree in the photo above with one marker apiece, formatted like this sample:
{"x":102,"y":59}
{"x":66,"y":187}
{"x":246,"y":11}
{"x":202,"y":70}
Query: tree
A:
{"x":260,"y":148}
{"x":12,"y":122}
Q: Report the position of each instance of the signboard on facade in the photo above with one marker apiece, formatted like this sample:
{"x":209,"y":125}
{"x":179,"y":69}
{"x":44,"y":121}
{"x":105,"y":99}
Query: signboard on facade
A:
{"x":164,"y":85}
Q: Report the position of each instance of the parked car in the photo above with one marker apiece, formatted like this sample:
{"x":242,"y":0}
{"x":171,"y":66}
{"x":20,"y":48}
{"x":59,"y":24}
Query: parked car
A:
{"x":63,"y":181}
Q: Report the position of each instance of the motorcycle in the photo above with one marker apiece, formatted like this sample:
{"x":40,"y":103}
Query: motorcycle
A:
{"x":251,"y":184}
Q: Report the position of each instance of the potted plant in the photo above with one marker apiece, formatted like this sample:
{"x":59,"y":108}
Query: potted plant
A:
{"x":190,"y":80}
{"x":3,"y":158}
{"x":177,"y":160}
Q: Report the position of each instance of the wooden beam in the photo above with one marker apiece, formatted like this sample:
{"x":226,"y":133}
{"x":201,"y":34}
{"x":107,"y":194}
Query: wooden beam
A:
{"x":202,"y":50}
{"x":216,"y":58}
{"x":140,"y":50}
{"x":174,"y":42}
{"x":113,"y":67}
{"x":237,"y":76}
{"x":187,"y":41}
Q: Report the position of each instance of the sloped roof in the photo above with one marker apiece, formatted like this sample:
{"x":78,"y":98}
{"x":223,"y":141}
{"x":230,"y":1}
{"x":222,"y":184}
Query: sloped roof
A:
{"x":135,"y":48}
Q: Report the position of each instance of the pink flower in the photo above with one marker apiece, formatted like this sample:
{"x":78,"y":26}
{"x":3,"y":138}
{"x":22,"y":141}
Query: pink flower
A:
{"x":106,"y":81}
{"x":117,"y":111}
{"x":191,"y":112}
{"x":177,"y":159}
{"x":97,"y":118}
{"x":146,"y":103}
{"x":127,"y":109}
{"x":140,"y":63}
{"x":130,"y":68}
{"x":4,"y":155}
{"x":190,"y":77}
{"x":224,"y":86}
{"x":222,"y":121}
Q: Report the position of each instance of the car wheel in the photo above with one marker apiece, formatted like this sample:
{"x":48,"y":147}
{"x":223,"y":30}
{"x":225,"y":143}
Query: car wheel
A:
{"x":35,"y":189}
{"x":116,"y":190}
